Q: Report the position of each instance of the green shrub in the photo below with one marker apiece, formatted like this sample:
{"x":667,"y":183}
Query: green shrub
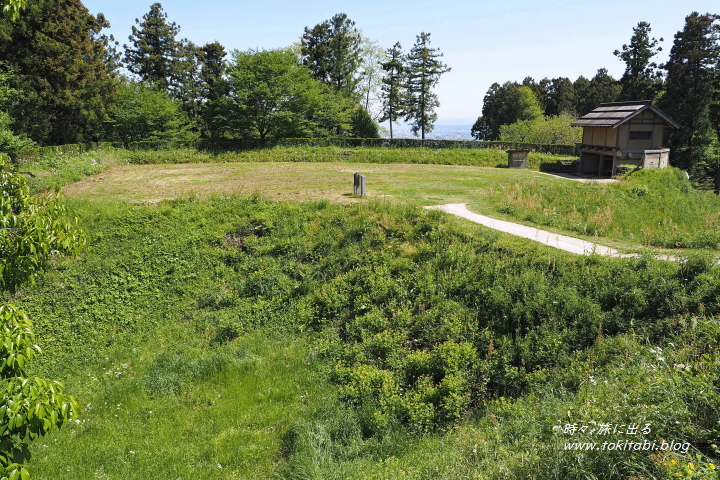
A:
{"x":434,"y":335}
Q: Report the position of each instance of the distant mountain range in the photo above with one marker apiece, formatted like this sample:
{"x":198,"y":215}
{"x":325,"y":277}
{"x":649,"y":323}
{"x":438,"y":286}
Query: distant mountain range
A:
{"x":440,"y":132}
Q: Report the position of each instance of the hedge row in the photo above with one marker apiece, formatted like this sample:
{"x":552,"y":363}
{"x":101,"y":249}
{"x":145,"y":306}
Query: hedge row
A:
{"x":382,"y":142}
{"x":30,"y":155}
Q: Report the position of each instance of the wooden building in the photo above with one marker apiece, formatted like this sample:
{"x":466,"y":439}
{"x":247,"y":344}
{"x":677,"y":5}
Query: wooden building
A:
{"x":623,"y":134}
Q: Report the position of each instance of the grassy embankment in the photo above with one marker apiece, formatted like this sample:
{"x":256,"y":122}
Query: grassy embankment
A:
{"x":645,"y":209}
{"x":241,"y":338}
{"x":60,"y":170}
{"x":657,"y":208}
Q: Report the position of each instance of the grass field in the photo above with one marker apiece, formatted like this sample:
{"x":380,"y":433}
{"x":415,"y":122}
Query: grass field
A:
{"x":413,"y":184}
{"x":645,"y":210}
{"x":226,"y":334}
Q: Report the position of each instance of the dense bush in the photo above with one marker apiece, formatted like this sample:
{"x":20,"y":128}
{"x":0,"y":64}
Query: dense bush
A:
{"x":422,"y":320}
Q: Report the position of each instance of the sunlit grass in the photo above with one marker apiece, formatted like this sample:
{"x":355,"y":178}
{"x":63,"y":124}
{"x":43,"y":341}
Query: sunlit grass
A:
{"x":203,"y":335}
{"x":655,"y":208}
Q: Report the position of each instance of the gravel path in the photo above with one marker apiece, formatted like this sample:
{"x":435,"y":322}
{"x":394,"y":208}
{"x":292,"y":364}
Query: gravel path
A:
{"x":563,"y":242}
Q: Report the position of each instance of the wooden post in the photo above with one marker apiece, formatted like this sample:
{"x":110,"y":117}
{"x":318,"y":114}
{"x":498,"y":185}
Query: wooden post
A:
{"x":356,"y":183}
{"x":362,"y":186}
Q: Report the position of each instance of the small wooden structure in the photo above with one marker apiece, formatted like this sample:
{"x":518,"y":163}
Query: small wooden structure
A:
{"x":517,"y":158}
{"x":623,"y":134}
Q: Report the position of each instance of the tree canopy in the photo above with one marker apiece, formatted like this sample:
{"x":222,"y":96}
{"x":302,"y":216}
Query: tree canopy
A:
{"x":691,"y":89}
{"x":332,"y":52}
{"x":143,"y":112}
{"x":424,"y":69}
{"x":393,"y":94}
{"x":59,"y":67}
{"x":271,"y":94}
{"x":504,"y":105}
{"x":153,"y":50}
{"x":641,"y":80}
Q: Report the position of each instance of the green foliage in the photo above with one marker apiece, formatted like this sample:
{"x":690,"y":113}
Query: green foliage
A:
{"x":602,"y":88}
{"x":144,"y":113}
{"x":504,"y":105}
{"x":59,"y":66}
{"x":370,"y":84}
{"x":362,"y":124}
{"x":9,"y":141}
{"x":690,"y":91}
{"x":31,"y":231}
{"x":213,"y":86}
{"x":30,"y":407}
{"x":560,"y":97}
{"x":191,"y":74}
{"x":271,"y":94}
{"x":154,"y":51}
{"x":11,"y":8}
{"x":641,"y":80}
{"x":424,"y":68}
{"x":650,"y":207}
{"x":511,"y":102}
{"x":331,"y":50}
{"x":392,"y":88}
{"x":544,"y":130}
{"x":528,"y":104}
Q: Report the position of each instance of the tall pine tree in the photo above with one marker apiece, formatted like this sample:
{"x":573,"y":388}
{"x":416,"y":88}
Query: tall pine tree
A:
{"x":332,"y":52}
{"x":691,"y":89}
{"x":58,"y":63}
{"x":393,"y":94}
{"x":641,"y":80}
{"x":423,"y":73}
{"x":213,"y":86}
{"x":153,"y":52}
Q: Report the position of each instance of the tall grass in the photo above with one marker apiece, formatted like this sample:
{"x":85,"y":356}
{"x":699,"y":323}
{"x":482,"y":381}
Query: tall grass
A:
{"x":652,"y":207}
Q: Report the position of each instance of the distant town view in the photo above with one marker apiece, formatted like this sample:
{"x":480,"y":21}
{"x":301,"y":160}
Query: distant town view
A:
{"x":440,"y":132}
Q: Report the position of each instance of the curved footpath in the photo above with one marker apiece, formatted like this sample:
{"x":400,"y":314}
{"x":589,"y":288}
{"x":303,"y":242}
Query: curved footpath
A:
{"x":563,"y":242}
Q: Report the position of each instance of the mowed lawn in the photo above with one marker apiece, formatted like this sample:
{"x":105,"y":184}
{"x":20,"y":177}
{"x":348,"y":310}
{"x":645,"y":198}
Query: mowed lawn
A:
{"x":414,"y":184}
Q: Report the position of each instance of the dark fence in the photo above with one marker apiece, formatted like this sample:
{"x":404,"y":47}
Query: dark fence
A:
{"x":33,"y":154}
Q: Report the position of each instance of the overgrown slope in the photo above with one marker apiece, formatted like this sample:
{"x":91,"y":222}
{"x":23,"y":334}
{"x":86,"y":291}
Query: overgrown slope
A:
{"x":254,"y":339}
{"x":652,"y":207}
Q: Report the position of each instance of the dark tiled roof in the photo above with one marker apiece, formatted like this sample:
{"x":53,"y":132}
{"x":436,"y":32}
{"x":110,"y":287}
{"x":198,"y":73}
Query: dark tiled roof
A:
{"x":617,"y":113}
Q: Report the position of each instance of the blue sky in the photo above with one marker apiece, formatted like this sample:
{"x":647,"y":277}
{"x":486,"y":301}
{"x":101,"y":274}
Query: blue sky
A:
{"x":483,"y":42}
